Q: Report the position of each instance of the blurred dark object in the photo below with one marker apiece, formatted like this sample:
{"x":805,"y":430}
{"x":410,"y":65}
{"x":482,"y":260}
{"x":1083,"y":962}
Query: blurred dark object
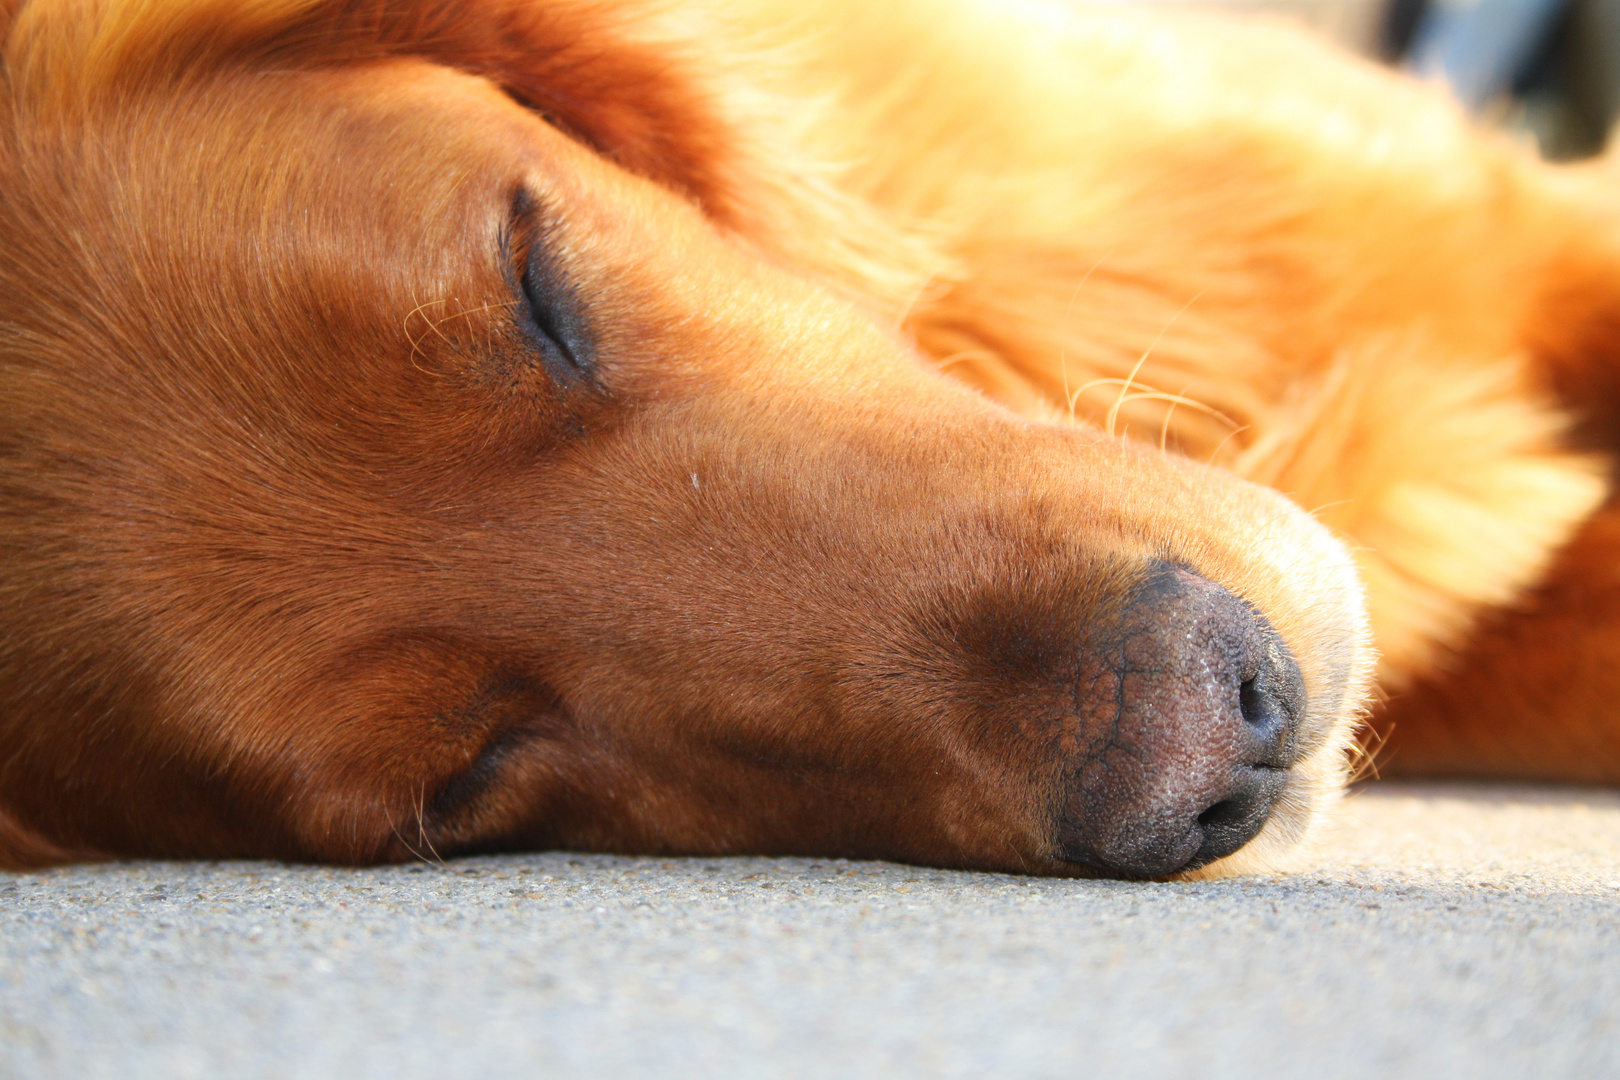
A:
{"x":1480,"y":47}
{"x":1550,"y":67}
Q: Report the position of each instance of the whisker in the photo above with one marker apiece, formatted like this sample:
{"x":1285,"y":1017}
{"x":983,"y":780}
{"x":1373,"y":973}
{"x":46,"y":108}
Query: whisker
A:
{"x":1366,"y":748}
{"x":474,"y":311}
{"x":1230,"y":435}
{"x":421,"y":823}
{"x":1147,"y":394}
{"x":406,"y":844}
{"x":1063,"y":330}
{"x":1101,"y":382}
{"x":1329,"y":505}
{"x":1164,"y":428}
{"x":417,"y":310}
{"x":1113,"y":412}
{"x":405,"y":325}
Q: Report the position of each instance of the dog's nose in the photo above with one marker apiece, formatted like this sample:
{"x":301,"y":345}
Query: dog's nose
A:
{"x":1195,"y":703}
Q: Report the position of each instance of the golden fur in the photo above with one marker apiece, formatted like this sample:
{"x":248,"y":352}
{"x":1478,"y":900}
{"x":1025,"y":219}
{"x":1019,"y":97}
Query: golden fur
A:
{"x":1185,"y":265}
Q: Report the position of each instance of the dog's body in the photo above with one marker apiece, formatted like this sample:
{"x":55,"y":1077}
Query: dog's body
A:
{"x":441,"y":426}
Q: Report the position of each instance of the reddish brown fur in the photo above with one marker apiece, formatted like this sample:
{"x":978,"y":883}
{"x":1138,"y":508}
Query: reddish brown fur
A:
{"x":1532,"y":696}
{"x":307,"y":556}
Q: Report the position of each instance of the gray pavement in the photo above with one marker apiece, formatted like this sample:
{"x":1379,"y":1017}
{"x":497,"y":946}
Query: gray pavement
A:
{"x":1439,"y":931}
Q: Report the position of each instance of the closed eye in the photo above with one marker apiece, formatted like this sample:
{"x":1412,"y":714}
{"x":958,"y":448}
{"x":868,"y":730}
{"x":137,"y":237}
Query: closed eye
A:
{"x":549,"y":311}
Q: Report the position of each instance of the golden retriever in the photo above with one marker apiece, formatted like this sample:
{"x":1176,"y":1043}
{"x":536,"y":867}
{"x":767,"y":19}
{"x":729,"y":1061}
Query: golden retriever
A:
{"x":989,"y":435}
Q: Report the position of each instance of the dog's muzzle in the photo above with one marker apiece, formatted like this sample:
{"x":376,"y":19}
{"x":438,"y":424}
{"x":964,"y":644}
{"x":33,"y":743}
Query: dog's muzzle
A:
{"x":1194,"y":704}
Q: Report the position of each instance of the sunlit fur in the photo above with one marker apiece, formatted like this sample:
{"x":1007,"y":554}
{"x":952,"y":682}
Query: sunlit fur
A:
{"x":1161,"y":243}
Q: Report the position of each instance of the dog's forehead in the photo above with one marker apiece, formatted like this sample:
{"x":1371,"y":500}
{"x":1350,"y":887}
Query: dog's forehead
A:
{"x":624,"y":95}
{"x":403,"y":153}
{"x":637,"y":87}
{"x":430,"y":140}
{"x":396,"y":178}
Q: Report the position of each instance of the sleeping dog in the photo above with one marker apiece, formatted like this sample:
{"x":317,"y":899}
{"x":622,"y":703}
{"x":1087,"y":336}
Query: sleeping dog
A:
{"x":1011,"y":436}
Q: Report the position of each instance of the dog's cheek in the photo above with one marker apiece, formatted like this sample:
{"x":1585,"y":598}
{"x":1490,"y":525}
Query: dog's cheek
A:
{"x":404,"y":747}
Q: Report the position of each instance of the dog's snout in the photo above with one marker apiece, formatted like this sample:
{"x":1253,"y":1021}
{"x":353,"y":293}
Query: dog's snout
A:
{"x":1194,"y":733}
{"x":1272,"y":697}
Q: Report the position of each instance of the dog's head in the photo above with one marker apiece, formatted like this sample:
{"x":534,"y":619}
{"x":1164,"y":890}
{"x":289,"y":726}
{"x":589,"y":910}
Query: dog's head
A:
{"x":436,"y":426}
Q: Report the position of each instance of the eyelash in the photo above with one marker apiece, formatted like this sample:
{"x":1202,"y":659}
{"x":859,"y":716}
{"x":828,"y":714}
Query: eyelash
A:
{"x":548,"y":310}
{"x":543,"y":319}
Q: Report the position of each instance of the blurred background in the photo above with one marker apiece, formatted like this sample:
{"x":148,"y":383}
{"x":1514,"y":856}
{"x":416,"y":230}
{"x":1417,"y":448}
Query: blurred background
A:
{"x":1549,"y":68}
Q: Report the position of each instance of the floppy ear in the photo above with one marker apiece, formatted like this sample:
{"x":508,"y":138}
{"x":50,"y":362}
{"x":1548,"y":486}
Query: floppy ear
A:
{"x":607,"y":74}
{"x":675,"y":101}
{"x":678,"y":101}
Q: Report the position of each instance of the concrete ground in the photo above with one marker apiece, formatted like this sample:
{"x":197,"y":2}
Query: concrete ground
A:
{"x":1449,"y":931}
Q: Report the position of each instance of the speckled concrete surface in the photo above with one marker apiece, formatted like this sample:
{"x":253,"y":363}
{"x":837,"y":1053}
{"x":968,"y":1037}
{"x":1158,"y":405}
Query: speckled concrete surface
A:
{"x":1445,"y":931}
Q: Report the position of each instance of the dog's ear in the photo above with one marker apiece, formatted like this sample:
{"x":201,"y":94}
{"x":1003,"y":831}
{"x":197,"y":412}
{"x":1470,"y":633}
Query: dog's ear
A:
{"x":611,"y":75}
{"x":614,"y":76}
{"x":662,"y":97}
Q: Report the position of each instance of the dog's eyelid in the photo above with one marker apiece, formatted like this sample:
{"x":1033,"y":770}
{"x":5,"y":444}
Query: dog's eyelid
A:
{"x":528,"y":211}
{"x":549,"y":308}
{"x":532,"y":224}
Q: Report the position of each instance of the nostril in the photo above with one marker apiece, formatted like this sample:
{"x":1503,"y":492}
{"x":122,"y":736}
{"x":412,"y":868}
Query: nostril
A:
{"x":1254,"y":704}
{"x":1263,"y":713}
{"x":1223,"y":815}
{"x":1226,"y":826}
{"x":1234,"y":821}
{"x":1201,"y":705}
{"x":1271,"y":702}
